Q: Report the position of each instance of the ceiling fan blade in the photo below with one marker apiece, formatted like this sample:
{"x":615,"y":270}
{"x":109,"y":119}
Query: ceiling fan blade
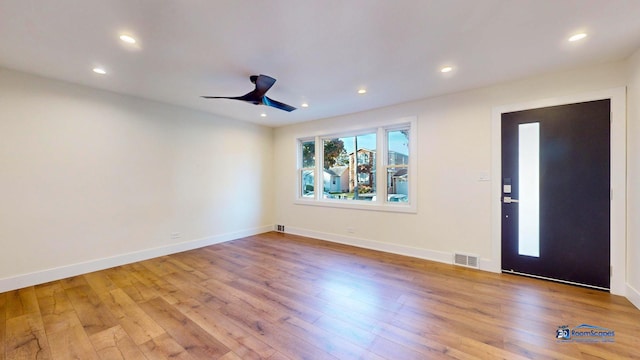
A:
{"x":277,"y":104}
{"x":248,"y":97}
{"x":256,"y":96}
{"x":263,"y":84}
{"x":252,"y":97}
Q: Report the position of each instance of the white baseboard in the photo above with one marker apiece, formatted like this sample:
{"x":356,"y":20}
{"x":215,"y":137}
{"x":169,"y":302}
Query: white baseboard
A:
{"x":490,"y":265}
{"x":633,"y":295}
{"x":440,"y":256}
{"x":44,"y":276}
{"x":47,"y":275}
{"x":433,"y":255}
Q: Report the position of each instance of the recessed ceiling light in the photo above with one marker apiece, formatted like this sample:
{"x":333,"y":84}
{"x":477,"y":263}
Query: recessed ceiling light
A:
{"x":128,"y":39}
{"x":304,"y":105}
{"x":362,"y":91}
{"x":100,"y":71}
{"x":577,"y":37}
{"x":263,"y":115}
{"x":446,"y":69}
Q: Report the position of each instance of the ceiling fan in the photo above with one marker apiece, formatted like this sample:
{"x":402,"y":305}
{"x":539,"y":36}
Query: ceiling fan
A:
{"x":257,"y":96}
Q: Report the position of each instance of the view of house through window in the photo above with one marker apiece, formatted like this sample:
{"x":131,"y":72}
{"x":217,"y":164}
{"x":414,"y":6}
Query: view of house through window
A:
{"x":349,"y":167}
{"x":398,"y":165}
{"x":345,"y":170}
{"x":307,"y":169}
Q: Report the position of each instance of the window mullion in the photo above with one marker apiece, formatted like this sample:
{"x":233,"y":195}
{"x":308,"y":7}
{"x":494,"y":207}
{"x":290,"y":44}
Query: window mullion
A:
{"x":381,"y":169}
{"x":319,"y":176}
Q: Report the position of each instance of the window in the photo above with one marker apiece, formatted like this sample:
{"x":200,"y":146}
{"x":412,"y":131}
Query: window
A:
{"x":347,"y":163}
{"x":349,"y":167}
{"x":307,"y":168}
{"x":398,"y":165}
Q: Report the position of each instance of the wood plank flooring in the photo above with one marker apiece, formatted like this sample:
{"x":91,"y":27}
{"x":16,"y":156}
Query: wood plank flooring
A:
{"x":276,"y":296}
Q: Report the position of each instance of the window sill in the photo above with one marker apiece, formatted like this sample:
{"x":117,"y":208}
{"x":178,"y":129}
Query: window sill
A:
{"x":360,"y":205}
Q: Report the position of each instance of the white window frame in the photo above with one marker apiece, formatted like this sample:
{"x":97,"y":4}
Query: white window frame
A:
{"x":381,"y":203}
{"x":302,"y":169}
{"x":386,"y":161}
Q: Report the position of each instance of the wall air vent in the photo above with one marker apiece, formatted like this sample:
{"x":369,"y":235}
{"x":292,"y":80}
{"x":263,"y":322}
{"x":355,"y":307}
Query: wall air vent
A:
{"x":466,"y":260}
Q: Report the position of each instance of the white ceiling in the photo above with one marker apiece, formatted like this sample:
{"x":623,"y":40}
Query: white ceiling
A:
{"x":320,"y":51}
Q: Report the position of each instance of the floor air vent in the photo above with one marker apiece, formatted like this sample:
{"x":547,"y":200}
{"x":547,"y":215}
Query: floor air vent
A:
{"x":466,"y":260}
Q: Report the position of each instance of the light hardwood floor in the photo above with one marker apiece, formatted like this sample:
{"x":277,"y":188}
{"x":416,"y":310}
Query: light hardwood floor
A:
{"x":276,"y":296}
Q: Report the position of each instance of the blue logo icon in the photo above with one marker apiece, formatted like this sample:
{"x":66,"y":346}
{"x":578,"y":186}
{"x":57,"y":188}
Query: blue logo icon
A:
{"x":563,"y":333}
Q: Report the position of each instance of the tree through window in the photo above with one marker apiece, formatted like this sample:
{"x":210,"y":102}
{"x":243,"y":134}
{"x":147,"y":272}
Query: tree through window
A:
{"x":346,"y":168}
{"x":349,"y":167}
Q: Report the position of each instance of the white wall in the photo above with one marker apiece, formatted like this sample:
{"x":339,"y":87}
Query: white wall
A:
{"x":633,"y":180}
{"x":91,"y":179}
{"x":454,"y":134}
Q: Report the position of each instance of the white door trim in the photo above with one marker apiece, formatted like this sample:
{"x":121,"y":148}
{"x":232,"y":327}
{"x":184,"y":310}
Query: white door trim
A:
{"x":618,"y":176}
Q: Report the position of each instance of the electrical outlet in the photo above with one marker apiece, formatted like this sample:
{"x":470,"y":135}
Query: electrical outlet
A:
{"x":280,"y":228}
{"x":175,"y":235}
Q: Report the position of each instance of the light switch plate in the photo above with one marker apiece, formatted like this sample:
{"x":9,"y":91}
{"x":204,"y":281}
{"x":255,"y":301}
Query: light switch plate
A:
{"x":484,"y":176}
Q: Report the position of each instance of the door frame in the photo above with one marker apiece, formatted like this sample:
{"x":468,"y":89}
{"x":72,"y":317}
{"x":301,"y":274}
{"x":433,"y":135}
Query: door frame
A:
{"x":618,"y":177}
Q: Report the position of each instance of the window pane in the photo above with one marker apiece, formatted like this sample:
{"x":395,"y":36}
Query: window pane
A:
{"x":398,"y":162}
{"x":529,"y":184}
{"x":350,"y":167}
{"x":398,"y":184}
{"x":398,"y":145}
{"x":308,"y":154}
{"x":307,"y":183}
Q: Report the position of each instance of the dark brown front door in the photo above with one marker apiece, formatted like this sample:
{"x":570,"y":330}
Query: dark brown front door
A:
{"x":556,"y":193}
